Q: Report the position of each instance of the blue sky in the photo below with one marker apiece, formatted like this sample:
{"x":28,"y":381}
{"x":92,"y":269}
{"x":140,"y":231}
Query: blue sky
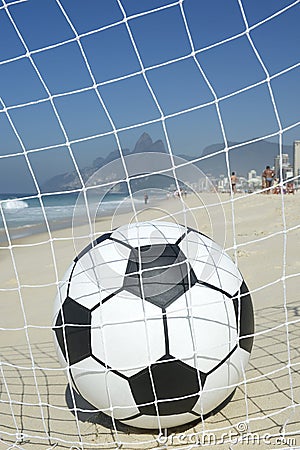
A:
{"x":63,"y":93}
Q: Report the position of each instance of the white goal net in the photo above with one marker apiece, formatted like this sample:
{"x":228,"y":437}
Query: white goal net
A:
{"x":114,"y":112}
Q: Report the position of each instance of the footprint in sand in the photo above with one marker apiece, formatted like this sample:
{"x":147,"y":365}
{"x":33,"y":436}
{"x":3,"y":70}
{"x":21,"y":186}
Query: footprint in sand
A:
{"x":12,"y":282}
{"x":243,"y":253}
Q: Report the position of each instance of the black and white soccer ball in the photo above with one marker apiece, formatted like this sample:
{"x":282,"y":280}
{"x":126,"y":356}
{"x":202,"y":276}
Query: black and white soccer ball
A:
{"x":154,"y":323}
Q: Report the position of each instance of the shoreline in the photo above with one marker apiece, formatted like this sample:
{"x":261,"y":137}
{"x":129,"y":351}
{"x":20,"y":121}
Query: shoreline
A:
{"x":170,"y":208}
{"x":59,"y":223}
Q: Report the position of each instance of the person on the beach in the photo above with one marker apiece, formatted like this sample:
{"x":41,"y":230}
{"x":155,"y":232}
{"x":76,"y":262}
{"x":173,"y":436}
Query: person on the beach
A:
{"x":233,"y":181}
{"x":146,"y":198}
{"x":267,"y":176}
{"x":290,"y":188}
{"x":276,"y":187}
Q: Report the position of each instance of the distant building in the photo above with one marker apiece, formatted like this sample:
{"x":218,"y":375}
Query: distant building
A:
{"x":251,"y":174}
{"x":223,"y":184}
{"x":254,"y":181}
{"x":296,"y":158}
{"x":287,"y":168}
{"x":285,"y":160}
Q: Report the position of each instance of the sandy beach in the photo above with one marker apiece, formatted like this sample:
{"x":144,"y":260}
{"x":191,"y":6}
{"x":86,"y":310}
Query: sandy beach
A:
{"x":261,"y":232}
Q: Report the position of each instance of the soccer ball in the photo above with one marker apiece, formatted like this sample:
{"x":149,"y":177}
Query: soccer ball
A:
{"x":154,"y":323}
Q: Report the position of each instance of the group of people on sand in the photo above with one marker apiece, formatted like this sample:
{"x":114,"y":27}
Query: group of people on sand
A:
{"x":271,"y":184}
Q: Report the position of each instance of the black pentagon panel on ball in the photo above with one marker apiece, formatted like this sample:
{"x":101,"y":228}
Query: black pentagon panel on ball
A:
{"x":75,"y":319}
{"x":244,"y":317}
{"x":173,"y":381}
{"x":165,"y":276}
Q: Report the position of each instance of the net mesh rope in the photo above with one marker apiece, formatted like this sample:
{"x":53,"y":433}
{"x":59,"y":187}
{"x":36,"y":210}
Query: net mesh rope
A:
{"x":50,"y":429}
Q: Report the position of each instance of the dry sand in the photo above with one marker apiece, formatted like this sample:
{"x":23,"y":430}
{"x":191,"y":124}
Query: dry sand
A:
{"x":264,"y":238}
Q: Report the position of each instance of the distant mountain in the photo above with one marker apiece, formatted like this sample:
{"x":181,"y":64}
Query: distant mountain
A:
{"x":145,"y":144}
{"x":62,"y":182}
{"x":69,"y":181}
{"x":242,"y":159}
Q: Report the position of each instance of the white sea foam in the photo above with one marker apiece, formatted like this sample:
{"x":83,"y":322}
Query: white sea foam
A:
{"x":13,"y":204}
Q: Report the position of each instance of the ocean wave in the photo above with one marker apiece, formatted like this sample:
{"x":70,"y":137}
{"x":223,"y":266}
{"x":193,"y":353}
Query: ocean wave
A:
{"x":24,"y":218}
{"x":13,"y":204}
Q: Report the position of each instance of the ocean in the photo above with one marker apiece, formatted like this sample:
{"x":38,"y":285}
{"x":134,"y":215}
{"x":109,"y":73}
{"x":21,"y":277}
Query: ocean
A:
{"x":22,"y":215}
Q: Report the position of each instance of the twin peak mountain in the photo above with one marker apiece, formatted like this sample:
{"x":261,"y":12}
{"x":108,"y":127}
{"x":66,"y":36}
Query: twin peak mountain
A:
{"x":255,"y":155}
